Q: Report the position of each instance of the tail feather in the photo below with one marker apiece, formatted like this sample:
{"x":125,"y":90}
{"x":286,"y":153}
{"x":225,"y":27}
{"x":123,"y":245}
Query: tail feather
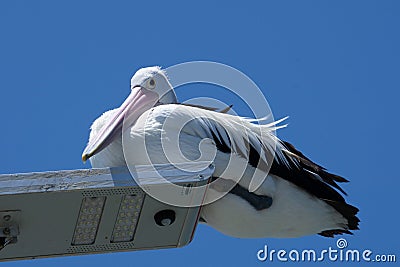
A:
{"x":304,"y":176}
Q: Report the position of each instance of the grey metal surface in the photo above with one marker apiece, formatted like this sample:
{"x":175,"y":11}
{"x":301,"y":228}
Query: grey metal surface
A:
{"x":96,"y":178}
{"x":47,"y":207}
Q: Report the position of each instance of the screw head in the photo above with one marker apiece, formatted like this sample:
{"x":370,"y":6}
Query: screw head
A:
{"x":6,"y":231}
{"x":6,"y":218}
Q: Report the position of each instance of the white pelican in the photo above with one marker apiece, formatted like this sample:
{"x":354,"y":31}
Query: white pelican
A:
{"x":297,"y":198}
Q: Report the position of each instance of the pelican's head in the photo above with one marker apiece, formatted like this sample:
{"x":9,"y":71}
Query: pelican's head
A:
{"x":154,"y":79}
{"x":149,"y":87}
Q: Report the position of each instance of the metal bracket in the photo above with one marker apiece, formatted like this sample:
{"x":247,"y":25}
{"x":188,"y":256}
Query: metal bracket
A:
{"x":9,"y":228}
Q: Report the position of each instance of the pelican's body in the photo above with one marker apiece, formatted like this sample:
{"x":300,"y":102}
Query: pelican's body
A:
{"x":295,"y":199}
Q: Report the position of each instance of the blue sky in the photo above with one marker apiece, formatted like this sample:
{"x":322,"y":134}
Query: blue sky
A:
{"x":332,"y":66}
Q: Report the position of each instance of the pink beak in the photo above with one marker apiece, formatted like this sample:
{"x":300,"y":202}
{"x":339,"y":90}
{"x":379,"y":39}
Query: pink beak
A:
{"x":139,"y":101}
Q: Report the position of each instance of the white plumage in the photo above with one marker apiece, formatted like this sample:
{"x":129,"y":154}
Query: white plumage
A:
{"x":218,"y":137}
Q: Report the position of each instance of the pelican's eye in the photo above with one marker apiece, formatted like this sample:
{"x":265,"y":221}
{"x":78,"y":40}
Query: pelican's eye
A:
{"x":151,"y":83}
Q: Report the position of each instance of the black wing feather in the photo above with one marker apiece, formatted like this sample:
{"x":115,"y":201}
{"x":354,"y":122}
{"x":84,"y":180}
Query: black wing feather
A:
{"x":301,"y":171}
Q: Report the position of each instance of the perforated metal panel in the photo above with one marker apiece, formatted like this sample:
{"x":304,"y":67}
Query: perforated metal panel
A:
{"x":44,"y":211}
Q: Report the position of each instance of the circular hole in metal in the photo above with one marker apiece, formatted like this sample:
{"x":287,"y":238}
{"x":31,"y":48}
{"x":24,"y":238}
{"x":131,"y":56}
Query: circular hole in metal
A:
{"x":164,"y":217}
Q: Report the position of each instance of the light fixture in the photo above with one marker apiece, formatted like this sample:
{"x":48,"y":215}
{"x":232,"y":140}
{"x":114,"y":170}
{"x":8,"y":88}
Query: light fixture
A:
{"x":90,"y":211}
{"x":88,"y":220}
{"x":128,"y":214}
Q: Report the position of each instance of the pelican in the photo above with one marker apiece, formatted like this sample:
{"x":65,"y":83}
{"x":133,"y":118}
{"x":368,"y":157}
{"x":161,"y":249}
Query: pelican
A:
{"x":297,"y":198}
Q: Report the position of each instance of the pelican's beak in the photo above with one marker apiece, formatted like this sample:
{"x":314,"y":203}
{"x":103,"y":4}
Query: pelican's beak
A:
{"x":135,"y":105}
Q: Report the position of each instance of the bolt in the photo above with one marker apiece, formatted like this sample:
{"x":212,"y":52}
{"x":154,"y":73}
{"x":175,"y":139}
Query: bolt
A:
{"x":166,"y":221}
{"x":7,"y":218}
{"x":6,"y":231}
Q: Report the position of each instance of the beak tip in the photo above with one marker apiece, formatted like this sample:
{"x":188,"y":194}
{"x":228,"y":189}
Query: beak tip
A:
{"x":85,"y":157}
